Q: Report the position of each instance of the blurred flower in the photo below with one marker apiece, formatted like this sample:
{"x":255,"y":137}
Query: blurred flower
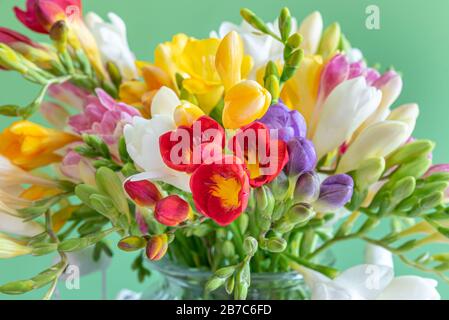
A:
{"x":157,"y":247}
{"x":437,"y":169}
{"x":144,"y":193}
{"x":221,"y":191}
{"x":77,"y":168}
{"x":335,"y":192}
{"x":307,"y":189}
{"x":70,"y":95}
{"x":172,"y":211}
{"x":330,"y":41}
{"x":186,"y":148}
{"x":103,"y":116}
{"x":31,"y":146}
{"x":113,"y":42}
{"x":311,"y":30}
{"x":55,"y":114}
{"x":13,"y":176}
{"x":186,"y":114}
{"x":16,"y":226}
{"x":244,"y":103}
{"x":372,"y":281}
{"x":346,"y":108}
{"x":408,"y":114}
{"x":288,"y":124}
{"x":264,"y":157}
{"x":11,"y":248}
{"x":302,"y":156}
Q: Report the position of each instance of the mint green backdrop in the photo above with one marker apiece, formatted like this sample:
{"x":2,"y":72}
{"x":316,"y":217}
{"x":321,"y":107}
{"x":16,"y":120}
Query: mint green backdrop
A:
{"x":414,"y":38}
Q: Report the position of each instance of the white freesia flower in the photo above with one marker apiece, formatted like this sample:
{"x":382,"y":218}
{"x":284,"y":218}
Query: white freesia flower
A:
{"x":142,"y":141}
{"x":371,"y":281}
{"x":262,"y":48}
{"x":11,"y":248}
{"x":379,"y":140}
{"x":16,"y":226}
{"x":344,"y":110}
{"x":311,"y":29}
{"x":113,"y":42}
{"x":408,"y":114}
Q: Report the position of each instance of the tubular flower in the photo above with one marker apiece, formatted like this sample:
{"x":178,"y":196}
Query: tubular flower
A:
{"x":104,"y":117}
{"x":302,"y":156}
{"x":172,"y":211}
{"x":157,"y":247}
{"x":264,"y":157}
{"x":30,"y":146}
{"x":335,"y":192}
{"x":186,"y":114}
{"x":244,"y":103}
{"x":70,"y":95}
{"x":11,"y":248}
{"x":311,"y":29}
{"x":25,"y":46}
{"x":186,"y":148}
{"x":221,"y":190}
{"x":144,"y":193}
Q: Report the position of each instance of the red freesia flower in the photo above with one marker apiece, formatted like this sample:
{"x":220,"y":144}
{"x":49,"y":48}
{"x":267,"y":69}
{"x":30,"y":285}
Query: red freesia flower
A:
{"x":221,"y":190}
{"x":171,"y":211}
{"x":263,"y":156}
{"x":186,"y":148}
{"x":144,"y":192}
{"x":11,"y":37}
{"x":40,"y":15}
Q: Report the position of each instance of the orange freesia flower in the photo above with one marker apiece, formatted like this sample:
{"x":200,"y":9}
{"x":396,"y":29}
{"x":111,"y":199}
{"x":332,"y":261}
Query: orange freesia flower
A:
{"x":30,"y":146}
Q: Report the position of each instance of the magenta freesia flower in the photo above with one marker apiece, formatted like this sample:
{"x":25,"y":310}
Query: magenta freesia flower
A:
{"x":103,"y":116}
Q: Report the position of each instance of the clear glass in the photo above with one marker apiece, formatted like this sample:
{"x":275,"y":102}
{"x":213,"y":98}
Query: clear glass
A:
{"x":172,"y":282}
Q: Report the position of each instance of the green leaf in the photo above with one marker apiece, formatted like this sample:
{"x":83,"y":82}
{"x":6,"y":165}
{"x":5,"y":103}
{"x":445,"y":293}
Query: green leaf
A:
{"x":110,"y":184}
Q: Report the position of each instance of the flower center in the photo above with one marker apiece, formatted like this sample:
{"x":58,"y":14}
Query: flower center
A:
{"x":227,"y":190}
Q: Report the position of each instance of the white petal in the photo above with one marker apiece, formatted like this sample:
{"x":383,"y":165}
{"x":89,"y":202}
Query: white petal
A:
{"x":407,"y":113}
{"x":365,"y":281}
{"x":411,"y":288}
{"x":311,"y":29}
{"x":16,"y":226}
{"x":165,"y":102}
{"x":346,"y":108}
{"x":378,"y":256}
{"x":379,"y":140}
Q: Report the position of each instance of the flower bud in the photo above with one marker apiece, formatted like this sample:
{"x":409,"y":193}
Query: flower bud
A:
{"x":59,"y":34}
{"x":330,"y":40}
{"x":172,"y":211}
{"x":369,"y":172}
{"x":229,"y":59}
{"x":250,"y":246}
{"x":214,"y":283}
{"x":275,"y":245}
{"x":335,"y":72}
{"x":144,"y":193}
{"x":307,"y":188}
{"x":114,"y":72}
{"x":228,"y":249}
{"x":311,"y":28}
{"x":273,"y":86}
{"x":403,"y":189}
{"x":302,"y":156}
{"x":132,"y":243}
{"x":431,"y":201}
{"x":279,"y":186}
{"x":186,"y":114}
{"x":244,"y":103}
{"x":285,"y":23}
{"x":416,"y":168}
{"x":335,"y":192}
{"x":410,"y":151}
{"x":254,"y":20}
{"x":225,"y":272}
{"x":294,"y":41}
{"x":291,"y":65}
{"x":157,"y":247}
{"x":298,"y":214}
{"x":9,"y":60}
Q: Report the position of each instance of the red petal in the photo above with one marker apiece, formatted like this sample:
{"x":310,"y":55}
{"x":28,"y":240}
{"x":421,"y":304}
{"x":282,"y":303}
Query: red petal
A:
{"x":144,"y":192}
{"x":29,"y":18}
{"x":171,"y":211}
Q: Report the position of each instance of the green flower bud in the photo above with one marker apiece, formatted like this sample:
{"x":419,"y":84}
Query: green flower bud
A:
{"x":114,"y":73}
{"x":243,"y":222}
{"x":438,"y":176}
{"x":279,"y":186}
{"x":18,"y":287}
{"x":427,"y":188}
{"x":431,"y":201}
{"x":225,"y":272}
{"x":285,"y":23}
{"x":41,"y":249}
{"x":330,"y":40}
{"x":250,"y":246}
{"x":294,"y":41}
{"x":10,"y":60}
{"x":410,"y":152}
{"x":403,"y":189}
{"x":230,"y":285}
{"x":228,"y":249}
{"x":132,"y":243}
{"x":369,"y":172}
{"x":273,"y":86}
{"x":292,"y":63}
{"x":275,"y":244}
{"x":214,"y":283}
{"x":415,"y":169}
{"x":254,"y":20}
{"x":271,"y":70}
{"x":59,"y":34}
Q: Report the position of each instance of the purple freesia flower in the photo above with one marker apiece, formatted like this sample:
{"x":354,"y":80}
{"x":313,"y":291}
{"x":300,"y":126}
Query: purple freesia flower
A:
{"x":103,"y":116}
{"x":288,"y":123}
{"x":335,"y":192}
{"x":302,"y":156}
{"x":307,"y":189}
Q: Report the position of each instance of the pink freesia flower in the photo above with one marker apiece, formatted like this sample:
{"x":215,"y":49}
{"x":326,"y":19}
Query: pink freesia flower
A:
{"x":11,"y":37}
{"x":103,"y":116}
{"x":70,"y":95}
{"x":77,"y":168}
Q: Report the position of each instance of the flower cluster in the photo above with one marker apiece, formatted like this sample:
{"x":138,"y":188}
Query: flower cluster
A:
{"x":254,"y":150}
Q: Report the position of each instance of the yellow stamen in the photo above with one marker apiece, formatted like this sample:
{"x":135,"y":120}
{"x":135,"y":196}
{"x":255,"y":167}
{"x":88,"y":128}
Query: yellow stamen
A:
{"x":226,"y":189}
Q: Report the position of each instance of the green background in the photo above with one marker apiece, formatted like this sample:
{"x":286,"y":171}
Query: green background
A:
{"x":414,"y":38}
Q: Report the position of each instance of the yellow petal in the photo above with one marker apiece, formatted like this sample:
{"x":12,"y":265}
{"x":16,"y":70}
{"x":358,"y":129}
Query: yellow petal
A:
{"x":187,"y":113}
{"x":229,"y":59}
{"x":131,"y":92}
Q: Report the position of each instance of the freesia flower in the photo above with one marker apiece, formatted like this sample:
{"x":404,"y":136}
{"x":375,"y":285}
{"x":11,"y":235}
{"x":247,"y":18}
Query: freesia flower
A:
{"x":103,"y":116}
{"x":302,"y":156}
{"x":113,"y":42}
{"x":76,"y":168}
{"x":31,"y":146}
{"x":311,"y":29}
{"x":229,"y":59}
{"x":288,"y":123}
{"x":16,"y":226}
{"x":11,"y":248}
{"x":335,"y":192}
{"x":264,"y":156}
{"x":157,"y":247}
{"x":221,"y":190}
{"x":372,"y":281}
{"x":55,"y":114}
{"x":70,"y":95}
{"x":186,"y":114}
{"x":172,"y":211}
{"x":41,"y":15}
{"x":408,"y":114}
{"x":307,"y":188}
{"x":142,"y":139}
{"x":244,"y":103}
{"x":346,"y":108}
{"x":144,"y":192}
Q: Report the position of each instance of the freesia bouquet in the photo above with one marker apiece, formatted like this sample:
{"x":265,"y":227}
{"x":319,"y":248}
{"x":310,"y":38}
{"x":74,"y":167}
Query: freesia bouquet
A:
{"x":252,"y":151}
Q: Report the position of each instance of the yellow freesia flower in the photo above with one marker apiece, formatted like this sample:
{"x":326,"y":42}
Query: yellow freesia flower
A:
{"x":11,"y":248}
{"x":244,"y":103}
{"x":30,"y":146}
{"x":186,"y":114}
